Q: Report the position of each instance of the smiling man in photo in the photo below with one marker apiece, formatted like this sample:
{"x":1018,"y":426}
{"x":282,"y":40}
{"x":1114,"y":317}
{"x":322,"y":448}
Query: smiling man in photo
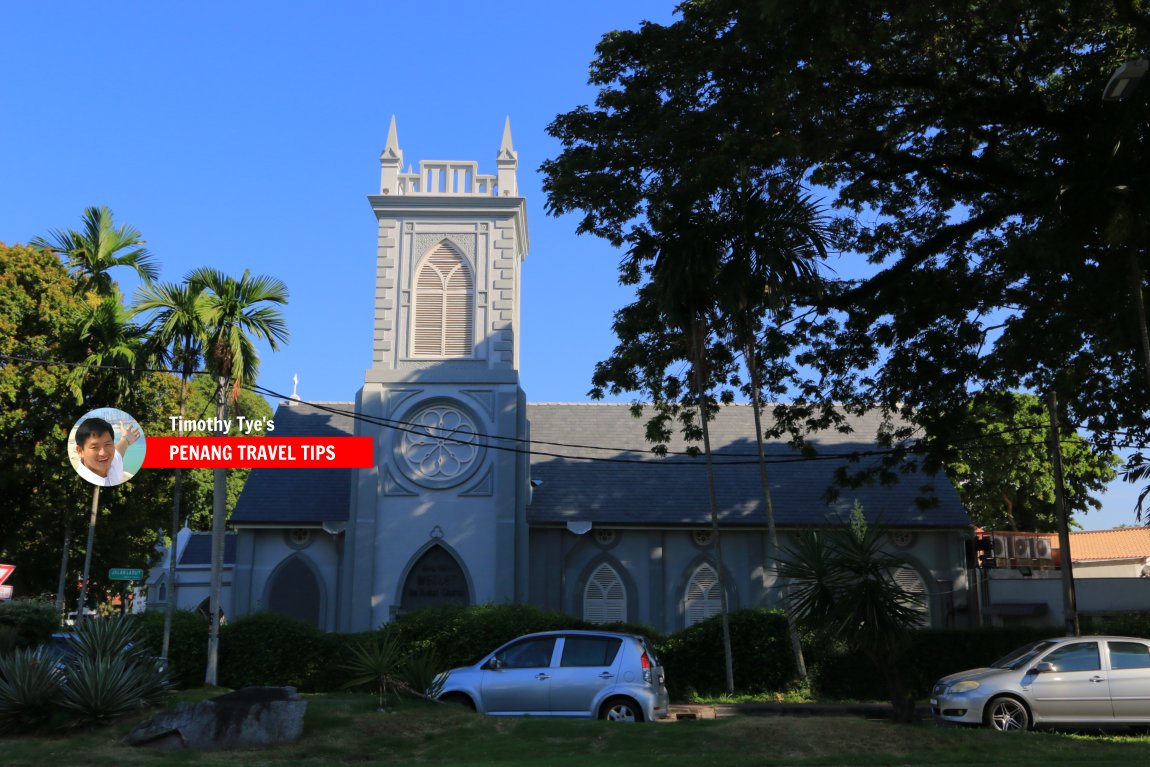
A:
{"x":101,"y":457}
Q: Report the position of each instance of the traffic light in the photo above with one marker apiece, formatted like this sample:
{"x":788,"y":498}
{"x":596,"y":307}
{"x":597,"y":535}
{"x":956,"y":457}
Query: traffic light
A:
{"x":984,"y":547}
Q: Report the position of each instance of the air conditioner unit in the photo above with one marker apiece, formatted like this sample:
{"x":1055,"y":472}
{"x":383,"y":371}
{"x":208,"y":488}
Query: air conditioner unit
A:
{"x":1001,"y":549}
{"x":1042,"y":549}
{"x":1020,"y":548}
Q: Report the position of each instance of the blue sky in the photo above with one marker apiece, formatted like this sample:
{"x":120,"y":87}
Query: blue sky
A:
{"x":247,"y":136}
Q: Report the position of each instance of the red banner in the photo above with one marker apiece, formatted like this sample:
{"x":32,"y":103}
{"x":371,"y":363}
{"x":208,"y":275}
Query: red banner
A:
{"x":260,"y":453}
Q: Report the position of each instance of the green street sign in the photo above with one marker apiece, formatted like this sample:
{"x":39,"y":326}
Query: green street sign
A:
{"x":125,"y":574}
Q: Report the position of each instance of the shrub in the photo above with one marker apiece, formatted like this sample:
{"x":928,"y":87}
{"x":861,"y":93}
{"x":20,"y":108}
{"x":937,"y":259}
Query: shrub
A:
{"x":28,"y":622}
{"x":29,"y":690}
{"x":760,"y":649}
{"x":836,"y":673}
{"x":271,"y":649}
{"x":462,"y":634}
{"x":187,"y":645}
{"x":1127,"y":624}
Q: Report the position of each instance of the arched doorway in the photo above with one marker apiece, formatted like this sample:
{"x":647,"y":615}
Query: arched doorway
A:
{"x":294,"y":590}
{"x":436,"y":578}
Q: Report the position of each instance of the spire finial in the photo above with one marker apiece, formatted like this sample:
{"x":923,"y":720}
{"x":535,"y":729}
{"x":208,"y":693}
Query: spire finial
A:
{"x":392,"y":145}
{"x":505,"y":145}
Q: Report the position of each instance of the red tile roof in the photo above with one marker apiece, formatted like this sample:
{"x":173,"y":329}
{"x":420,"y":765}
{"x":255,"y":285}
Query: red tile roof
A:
{"x":1122,"y":543}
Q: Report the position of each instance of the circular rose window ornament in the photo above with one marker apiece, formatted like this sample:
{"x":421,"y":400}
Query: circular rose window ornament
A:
{"x":439,"y":447}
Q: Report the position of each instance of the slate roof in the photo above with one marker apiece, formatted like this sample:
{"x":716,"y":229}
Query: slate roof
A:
{"x":199,"y":550}
{"x":634,"y":488}
{"x":673,"y":491}
{"x":303,"y":496}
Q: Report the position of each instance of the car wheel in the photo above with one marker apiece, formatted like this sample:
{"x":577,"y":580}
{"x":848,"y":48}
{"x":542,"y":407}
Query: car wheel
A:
{"x":459,"y":699}
{"x":621,"y":710}
{"x":1006,"y":714}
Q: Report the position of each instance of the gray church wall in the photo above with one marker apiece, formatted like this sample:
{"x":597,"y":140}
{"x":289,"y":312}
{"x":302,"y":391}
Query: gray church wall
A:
{"x":271,"y":548}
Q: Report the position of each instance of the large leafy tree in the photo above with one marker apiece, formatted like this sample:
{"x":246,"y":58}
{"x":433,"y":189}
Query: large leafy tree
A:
{"x":1000,"y":462}
{"x":989,"y":203}
{"x":236,"y":314}
{"x":41,"y":309}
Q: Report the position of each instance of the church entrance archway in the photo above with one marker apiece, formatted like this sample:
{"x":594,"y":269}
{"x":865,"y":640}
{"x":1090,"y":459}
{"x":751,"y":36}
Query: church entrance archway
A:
{"x":436,"y":578}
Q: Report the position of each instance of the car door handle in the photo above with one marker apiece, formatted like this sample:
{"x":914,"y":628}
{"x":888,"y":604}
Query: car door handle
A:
{"x":1097,"y":679}
{"x":606,"y":675}
{"x":542,"y":677}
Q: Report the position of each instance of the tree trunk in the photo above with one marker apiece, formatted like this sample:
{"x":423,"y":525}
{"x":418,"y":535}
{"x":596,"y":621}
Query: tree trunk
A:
{"x":698,"y":343}
{"x":1139,"y":308}
{"x":61,"y":583}
{"x":219,"y":513}
{"x":88,"y":555}
{"x":170,"y":612}
{"x":772,"y":531}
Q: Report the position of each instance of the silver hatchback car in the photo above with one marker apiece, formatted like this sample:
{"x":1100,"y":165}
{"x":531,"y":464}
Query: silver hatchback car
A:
{"x":565,"y":673}
{"x":1091,"y":680}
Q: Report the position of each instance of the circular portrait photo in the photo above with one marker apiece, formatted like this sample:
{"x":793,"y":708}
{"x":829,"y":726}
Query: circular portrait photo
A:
{"x":106,"y":447}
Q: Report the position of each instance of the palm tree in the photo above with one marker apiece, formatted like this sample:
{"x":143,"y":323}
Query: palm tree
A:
{"x":115,"y":352}
{"x":777,"y":243}
{"x":843,"y":587}
{"x":176,"y":321}
{"x":235,"y":315}
{"x":98,"y":248}
{"x":683,"y":275}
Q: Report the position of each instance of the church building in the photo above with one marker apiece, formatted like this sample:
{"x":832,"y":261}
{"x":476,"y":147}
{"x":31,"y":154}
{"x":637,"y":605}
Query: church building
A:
{"x":479,"y":496}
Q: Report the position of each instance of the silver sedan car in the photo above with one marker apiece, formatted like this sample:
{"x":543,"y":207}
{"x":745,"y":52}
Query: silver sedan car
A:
{"x":565,"y":673}
{"x":1091,"y":680}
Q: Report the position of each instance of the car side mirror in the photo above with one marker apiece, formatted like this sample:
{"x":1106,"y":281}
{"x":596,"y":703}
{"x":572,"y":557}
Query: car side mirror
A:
{"x":1043,"y":667}
{"x":493,"y":665}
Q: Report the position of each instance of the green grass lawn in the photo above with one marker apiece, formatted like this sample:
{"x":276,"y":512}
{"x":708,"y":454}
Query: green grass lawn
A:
{"x":347,"y":730}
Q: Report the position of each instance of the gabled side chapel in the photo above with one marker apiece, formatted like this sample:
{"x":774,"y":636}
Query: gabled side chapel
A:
{"x":479,"y":496}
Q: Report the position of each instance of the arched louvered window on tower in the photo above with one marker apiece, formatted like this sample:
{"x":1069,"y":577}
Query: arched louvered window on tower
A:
{"x":605,"y":598}
{"x":917,"y":597}
{"x":444,"y":305}
{"x":702,"y":599}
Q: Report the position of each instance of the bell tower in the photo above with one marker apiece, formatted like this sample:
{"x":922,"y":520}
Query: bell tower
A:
{"x":442,"y":515}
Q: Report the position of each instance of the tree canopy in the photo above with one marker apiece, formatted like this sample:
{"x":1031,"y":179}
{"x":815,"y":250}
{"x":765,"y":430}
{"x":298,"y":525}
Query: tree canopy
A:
{"x":999,"y":460}
{"x":989,"y":208}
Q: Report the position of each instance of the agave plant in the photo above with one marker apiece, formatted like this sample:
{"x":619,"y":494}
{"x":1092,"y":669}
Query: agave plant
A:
{"x":375,"y":664}
{"x":30,"y":684}
{"x":102,"y":688}
{"x":422,"y":673}
{"x":110,"y":673}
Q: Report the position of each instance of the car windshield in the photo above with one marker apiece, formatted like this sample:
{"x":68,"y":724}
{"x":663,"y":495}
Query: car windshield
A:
{"x":1024,"y":655}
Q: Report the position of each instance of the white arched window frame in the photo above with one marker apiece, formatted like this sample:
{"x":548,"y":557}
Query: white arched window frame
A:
{"x":605,"y":598}
{"x":444,"y":311}
{"x":702,"y":598}
{"x":917,"y":596}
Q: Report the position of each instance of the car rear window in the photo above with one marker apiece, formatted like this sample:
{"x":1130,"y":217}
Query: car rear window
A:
{"x":1129,"y":655}
{"x":590,"y":651}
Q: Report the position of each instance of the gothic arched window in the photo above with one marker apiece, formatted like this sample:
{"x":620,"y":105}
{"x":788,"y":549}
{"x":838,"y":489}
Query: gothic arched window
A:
{"x":444,"y":314}
{"x":295,"y":591}
{"x":917,"y":597}
{"x":605,"y":598}
{"x":702,"y":599}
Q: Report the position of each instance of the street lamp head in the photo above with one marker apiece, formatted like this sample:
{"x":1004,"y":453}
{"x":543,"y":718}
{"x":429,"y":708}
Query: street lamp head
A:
{"x":1125,"y":79}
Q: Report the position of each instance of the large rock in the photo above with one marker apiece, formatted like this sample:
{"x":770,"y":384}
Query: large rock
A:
{"x":247,"y":718}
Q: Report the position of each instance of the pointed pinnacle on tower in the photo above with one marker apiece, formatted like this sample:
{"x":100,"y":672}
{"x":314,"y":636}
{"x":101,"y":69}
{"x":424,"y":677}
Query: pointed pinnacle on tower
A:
{"x":507,"y":162}
{"x":391,"y":162}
